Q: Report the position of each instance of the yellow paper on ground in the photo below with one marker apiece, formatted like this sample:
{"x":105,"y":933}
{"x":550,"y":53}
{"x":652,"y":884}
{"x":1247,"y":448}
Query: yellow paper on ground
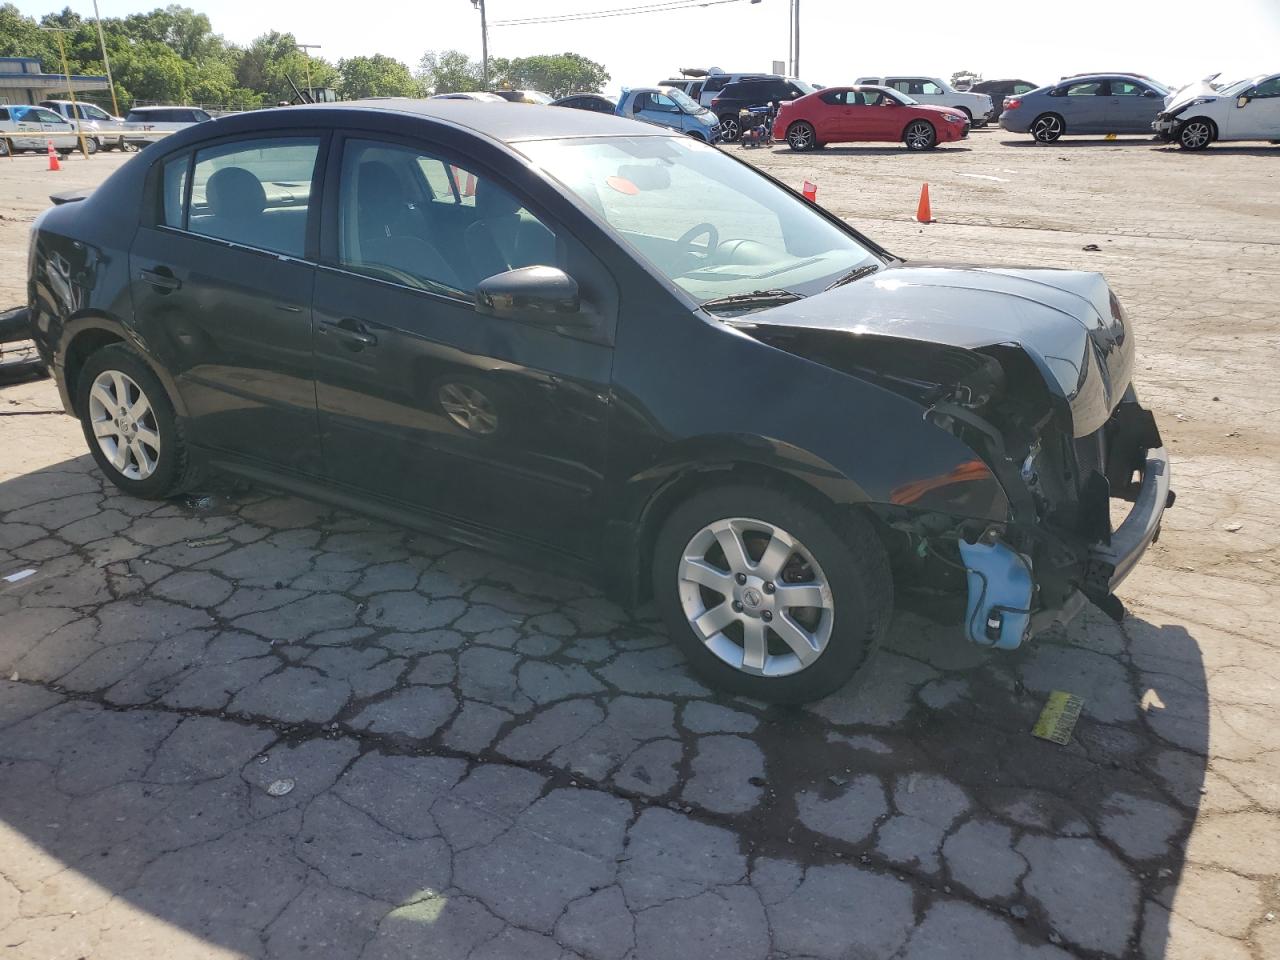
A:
{"x":1058,"y":718}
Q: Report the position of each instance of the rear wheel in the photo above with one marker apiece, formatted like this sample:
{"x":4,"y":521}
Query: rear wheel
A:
{"x":801,"y":136}
{"x":1196,"y":134}
{"x":4,"y":147}
{"x":130,"y":425}
{"x":766,"y":596}
{"x":730,"y":128}
{"x":920,"y":135}
{"x":1047,"y":128}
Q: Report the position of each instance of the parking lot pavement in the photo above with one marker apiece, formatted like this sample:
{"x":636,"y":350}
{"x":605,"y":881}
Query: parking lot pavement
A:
{"x":242,"y":724}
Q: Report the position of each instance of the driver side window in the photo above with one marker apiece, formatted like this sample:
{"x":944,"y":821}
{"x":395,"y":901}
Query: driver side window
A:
{"x":1267,"y":89}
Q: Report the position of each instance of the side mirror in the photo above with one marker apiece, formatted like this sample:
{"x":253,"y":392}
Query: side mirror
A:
{"x":1150,"y":93}
{"x":542,"y":295}
{"x":1242,"y":101}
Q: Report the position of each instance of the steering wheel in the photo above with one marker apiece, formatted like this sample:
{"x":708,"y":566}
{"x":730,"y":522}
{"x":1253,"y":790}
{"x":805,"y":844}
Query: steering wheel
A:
{"x":697,"y":230}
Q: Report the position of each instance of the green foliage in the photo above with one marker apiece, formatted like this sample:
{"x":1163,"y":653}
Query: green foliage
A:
{"x":172,"y":55}
{"x":376,"y":76}
{"x":558,"y":74}
{"x":449,"y":71}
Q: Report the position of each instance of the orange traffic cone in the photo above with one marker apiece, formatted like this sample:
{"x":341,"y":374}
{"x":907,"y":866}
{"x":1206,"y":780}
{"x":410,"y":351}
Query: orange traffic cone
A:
{"x":810,"y":191}
{"x":924,"y":213}
{"x":53,"y":157}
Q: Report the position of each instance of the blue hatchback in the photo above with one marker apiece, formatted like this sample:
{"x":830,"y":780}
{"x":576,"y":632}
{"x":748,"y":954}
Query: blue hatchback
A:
{"x":671,"y":108}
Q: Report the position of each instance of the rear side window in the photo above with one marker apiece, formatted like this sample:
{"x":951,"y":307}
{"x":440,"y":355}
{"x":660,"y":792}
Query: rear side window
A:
{"x":4,"y":113}
{"x":251,"y":192}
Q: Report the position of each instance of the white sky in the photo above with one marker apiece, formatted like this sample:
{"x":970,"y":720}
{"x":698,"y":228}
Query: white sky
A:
{"x":1176,"y":41}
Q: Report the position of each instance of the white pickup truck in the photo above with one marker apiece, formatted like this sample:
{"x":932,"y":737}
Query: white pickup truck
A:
{"x":102,"y":131}
{"x":939,"y":93}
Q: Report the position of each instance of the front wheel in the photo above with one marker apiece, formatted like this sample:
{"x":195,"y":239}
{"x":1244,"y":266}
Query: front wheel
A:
{"x":766,"y":596}
{"x":4,"y":147}
{"x":730,"y":128}
{"x":130,"y":425}
{"x":1047,"y":128}
{"x":1196,"y":134}
{"x":801,"y":136}
{"x":920,"y":135}
{"x":91,"y":145}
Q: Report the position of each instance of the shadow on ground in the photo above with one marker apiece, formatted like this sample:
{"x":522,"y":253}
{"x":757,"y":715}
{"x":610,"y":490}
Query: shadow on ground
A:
{"x":485,"y":760}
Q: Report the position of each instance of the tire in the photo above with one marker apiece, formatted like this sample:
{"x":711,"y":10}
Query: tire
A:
{"x":730,"y":128}
{"x":920,"y":135}
{"x":91,"y":145}
{"x":1197,"y":133}
{"x":4,"y":147}
{"x":169,"y":472}
{"x":697,"y":136}
{"x":1047,"y":128}
{"x":843,"y":564}
{"x":801,"y":136}
{"x":64,"y":153}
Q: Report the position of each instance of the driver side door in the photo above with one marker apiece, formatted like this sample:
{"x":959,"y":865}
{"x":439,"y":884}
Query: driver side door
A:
{"x":660,"y":109}
{"x":1259,"y":119}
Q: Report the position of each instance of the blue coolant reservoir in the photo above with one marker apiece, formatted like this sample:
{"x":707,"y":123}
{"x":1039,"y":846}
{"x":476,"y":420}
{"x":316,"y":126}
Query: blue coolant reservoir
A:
{"x":1000,"y":588}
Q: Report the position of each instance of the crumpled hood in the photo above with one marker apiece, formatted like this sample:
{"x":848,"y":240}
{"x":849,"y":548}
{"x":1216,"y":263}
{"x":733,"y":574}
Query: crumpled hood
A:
{"x":1062,"y":319}
{"x":1192,"y":91}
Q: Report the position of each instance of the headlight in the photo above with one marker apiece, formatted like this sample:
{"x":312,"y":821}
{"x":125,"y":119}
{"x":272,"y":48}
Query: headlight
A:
{"x":953,"y":117}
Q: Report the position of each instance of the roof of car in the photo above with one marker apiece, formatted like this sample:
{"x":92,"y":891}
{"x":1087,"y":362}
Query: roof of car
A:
{"x":506,"y":122}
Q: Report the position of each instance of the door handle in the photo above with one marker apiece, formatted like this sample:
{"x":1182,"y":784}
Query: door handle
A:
{"x":161,"y":278}
{"x":349,"y":330}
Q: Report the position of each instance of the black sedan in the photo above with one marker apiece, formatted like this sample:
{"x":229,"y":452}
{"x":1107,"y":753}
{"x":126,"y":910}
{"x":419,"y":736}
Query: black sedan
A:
{"x":623,"y":352}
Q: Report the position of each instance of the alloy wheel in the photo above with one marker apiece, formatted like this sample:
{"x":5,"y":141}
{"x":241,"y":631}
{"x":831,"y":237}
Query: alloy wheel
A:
{"x":469,"y":408}
{"x":1047,"y":129}
{"x":920,"y":135}
{"x":755,"y":597}
{"x":1195,"y":135}
{"x":124,"y":425}
{"x":800,"y":136}
{"x":729,"y":129}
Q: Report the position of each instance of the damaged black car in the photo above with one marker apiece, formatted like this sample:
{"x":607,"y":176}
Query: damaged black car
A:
{"x":616,"y":351}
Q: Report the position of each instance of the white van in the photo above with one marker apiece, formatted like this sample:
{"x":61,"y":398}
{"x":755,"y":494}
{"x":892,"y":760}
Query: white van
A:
{"x":26,"y":127}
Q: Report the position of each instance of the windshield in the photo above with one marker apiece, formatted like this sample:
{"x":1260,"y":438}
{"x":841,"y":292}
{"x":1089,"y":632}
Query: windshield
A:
{"x":803,"y":87}
{"x":684,"y":101}
{"x":711,"y":225}
{"x":91,"y":112}
{"x":900,"y":97}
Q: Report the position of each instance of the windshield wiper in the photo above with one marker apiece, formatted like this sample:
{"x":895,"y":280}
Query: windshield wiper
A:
{"x":759,"y":298}
{"x":857,"y":273}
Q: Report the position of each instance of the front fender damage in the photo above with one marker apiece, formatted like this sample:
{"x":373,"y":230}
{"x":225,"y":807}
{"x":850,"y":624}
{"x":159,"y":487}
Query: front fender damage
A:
{"x":1054,"y":547}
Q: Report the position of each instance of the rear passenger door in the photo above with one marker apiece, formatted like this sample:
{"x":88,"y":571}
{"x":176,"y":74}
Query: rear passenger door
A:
{"x":221,"y":273}
{"x":486,"y":422}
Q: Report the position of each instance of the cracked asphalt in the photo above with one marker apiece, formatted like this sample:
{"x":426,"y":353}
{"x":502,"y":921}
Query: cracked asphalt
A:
{"x":487,"y":760}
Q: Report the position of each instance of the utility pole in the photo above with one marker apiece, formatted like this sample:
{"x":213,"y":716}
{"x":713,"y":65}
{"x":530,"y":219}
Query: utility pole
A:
{"x":795,"y":35}
{"x":791,"y":39}
{"x":484,"y":42}
{"x":71,"y":94}
{"x":102,"y":42}
{"x":306,"y":49}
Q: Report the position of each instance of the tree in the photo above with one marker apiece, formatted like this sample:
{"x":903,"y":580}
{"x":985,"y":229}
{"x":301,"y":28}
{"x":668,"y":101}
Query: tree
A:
{"x":449,"y":71}
{"x":273,"y":59}
{"x":375,"y":76}
{"x":558,"y":74}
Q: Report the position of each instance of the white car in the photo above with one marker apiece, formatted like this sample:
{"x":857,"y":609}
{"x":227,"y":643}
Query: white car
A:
{"x":26,"y":127}
{"x":1199,"y":114}
{"x":102,"y":131}
{"x":146,"y":125}
{"x":936,"y":91}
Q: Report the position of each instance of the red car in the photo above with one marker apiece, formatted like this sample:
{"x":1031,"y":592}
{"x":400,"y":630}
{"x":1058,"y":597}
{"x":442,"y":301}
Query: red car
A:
{"x":866,"y":113}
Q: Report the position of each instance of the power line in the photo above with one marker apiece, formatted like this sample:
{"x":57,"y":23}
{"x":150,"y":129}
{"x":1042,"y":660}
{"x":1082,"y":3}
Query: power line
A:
{"x":669,"y":5}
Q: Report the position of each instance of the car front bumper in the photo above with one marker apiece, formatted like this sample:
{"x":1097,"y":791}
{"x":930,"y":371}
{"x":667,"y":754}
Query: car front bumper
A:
{"x":1165,"y":124}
